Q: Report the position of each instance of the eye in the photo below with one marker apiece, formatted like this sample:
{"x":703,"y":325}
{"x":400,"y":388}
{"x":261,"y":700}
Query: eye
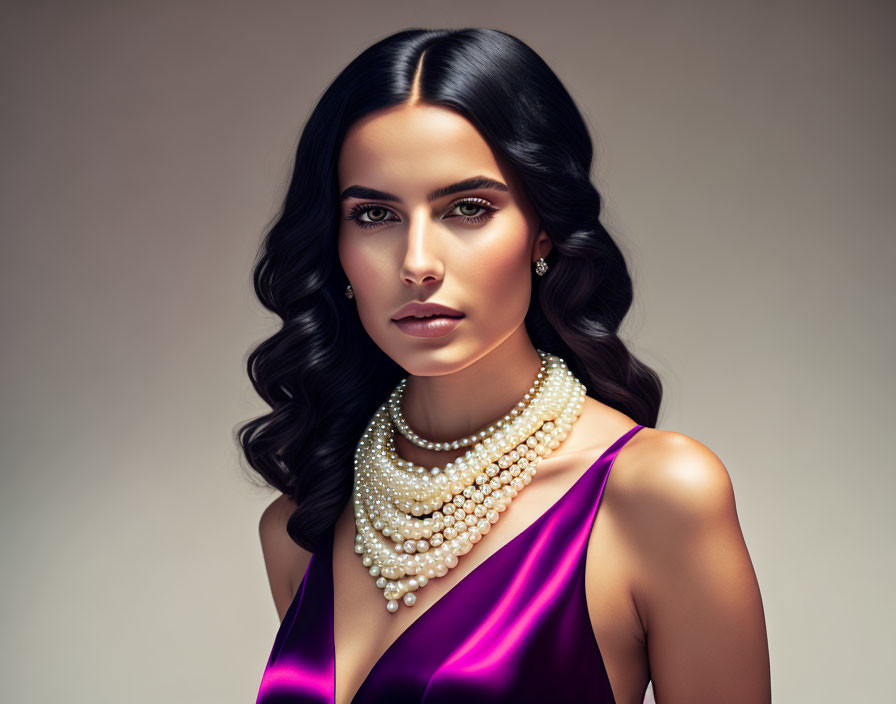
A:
{"x":372,"y":215}
{"x":376,"y":213}
{"x":474,"y":204}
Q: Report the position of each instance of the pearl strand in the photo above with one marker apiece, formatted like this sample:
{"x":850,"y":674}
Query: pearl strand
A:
{"x":464,"y":500}
{"x":396,"y":472}
{"x":401,"y":424}
{"x":436,"y":563}
{"x":420,"y":495}
{"x":409,"y":489}
{"x":455,"y":489}
{"x":397,"y":526}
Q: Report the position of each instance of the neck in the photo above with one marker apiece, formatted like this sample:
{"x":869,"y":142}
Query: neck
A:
{"x":450,"y":406}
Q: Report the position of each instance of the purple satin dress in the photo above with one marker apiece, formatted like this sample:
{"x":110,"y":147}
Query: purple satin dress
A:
{"x":514,"y":629}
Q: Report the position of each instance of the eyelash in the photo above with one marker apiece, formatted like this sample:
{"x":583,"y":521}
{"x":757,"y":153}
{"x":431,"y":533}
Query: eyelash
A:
{"x":356,"y":212}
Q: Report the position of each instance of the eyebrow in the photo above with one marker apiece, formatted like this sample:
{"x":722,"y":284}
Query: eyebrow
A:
{"x":469,"y":184}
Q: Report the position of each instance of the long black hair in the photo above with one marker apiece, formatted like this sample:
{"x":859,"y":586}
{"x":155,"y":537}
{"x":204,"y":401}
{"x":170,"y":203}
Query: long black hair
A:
{"x":321,"y":374}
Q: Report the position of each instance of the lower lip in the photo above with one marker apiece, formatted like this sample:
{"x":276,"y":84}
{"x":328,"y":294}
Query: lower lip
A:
{"x":427,"y":327}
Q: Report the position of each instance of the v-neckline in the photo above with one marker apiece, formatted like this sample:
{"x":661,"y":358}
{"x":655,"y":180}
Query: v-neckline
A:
{"x":404,"y":634}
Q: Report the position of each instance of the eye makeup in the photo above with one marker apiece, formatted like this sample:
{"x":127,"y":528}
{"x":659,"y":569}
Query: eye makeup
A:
{"x":358,"y":212}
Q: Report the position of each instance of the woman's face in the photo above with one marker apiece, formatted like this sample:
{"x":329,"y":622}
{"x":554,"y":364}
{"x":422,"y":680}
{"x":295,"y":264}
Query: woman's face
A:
{"x":471,"y":249}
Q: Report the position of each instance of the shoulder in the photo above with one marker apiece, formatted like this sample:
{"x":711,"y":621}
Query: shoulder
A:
{"x":285,"y":561}
{"x":660,"y":469}
{"x":274,"y":517}
{"x":669,"y":479}
{"x":671,"y":501}
{"x":689,"y":572}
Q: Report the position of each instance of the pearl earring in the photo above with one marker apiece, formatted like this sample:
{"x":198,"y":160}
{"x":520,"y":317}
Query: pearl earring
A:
{"x":348,"y":292}
{"x":541,"y":266}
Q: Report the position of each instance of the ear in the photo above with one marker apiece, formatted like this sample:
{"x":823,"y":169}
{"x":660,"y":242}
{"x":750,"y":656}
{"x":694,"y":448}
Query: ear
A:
{"x":542,"y":246}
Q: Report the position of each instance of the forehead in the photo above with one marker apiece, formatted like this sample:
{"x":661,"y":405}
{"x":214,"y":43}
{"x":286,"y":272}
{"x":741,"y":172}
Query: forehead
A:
{"x":414,"y":147}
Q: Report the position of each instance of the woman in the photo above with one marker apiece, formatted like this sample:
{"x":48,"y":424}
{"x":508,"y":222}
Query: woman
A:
{"x":413,"y":554}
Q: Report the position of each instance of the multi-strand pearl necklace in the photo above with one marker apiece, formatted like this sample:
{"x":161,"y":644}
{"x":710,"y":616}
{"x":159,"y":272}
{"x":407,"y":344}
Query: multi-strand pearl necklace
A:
{"x":412,"y":523}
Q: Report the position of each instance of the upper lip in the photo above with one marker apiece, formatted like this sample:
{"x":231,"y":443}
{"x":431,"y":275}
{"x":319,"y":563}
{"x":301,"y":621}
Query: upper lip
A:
{"x":420,"y":309}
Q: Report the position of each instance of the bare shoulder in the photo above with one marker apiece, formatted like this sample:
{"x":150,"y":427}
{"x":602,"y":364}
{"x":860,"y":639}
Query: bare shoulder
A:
{"x":669,"y":478}
{"x":691,"y":578}
{"x":275,"y":516}
{"x":668,"y":492}
{"x":284,"y":560}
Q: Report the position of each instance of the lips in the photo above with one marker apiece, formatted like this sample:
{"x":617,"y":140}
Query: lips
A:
{"x":426,"y":317}
{"x":419,"y":310}
{"x":435,"y":326}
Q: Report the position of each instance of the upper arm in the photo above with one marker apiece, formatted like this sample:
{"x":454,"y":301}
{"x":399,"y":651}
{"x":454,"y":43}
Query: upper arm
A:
{"x":694,"y":585}
{"x":284,"y":561}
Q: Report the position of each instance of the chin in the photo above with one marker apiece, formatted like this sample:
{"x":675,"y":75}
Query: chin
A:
{"x":421,"y":359}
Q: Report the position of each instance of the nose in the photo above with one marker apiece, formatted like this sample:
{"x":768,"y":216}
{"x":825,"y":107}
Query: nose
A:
{"x":422,"y":263}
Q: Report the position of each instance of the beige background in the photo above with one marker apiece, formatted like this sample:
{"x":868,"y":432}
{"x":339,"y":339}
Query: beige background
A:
{"x":746,"y":154}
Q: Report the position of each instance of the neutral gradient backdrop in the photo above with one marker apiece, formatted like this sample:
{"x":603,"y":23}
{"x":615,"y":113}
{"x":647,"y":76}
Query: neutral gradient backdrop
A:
{"x":746,"y":154}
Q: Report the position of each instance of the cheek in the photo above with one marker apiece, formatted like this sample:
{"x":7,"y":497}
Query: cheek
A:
{"x":359,"y":262}
{"x":370,"y":270}
{"x":498,"y":276}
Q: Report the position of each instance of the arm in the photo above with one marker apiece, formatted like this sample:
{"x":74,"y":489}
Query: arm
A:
{"x":695,"y":586}
{"x":284,"y":561}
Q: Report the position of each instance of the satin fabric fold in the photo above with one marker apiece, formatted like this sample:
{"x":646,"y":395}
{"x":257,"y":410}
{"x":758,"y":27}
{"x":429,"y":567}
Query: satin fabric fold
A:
{"x":514,"y":629}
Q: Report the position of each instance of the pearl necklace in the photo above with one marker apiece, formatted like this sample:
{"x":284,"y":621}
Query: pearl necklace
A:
{"x":461,"y":501}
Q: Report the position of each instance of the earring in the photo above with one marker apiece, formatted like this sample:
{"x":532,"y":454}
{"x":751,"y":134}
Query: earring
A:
{"x":541,"y":266}
{"x":348,"y":292}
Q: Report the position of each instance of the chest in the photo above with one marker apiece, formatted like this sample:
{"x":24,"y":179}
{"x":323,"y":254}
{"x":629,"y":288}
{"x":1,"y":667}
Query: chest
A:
{"x":364,"y":632}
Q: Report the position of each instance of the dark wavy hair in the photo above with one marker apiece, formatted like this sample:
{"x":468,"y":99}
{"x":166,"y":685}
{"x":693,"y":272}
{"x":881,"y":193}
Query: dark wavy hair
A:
{"x":321,"y":374}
